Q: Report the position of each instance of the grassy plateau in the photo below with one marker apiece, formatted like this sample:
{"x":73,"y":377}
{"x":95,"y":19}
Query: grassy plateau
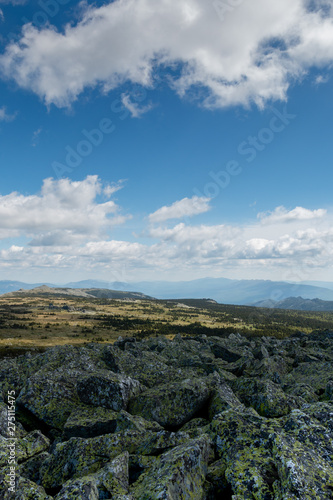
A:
{"x":40,"y":321}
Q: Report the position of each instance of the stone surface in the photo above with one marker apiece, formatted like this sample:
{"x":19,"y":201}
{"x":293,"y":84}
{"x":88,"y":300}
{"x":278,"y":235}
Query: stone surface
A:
{"x":179,"y":473}
{"x":107,"y":389}
{"x":24,"y":490}
{"x":266,"y":397}
{"x":90,"y":421}
{"x":190,"y":418}
{"x":173,"y":404}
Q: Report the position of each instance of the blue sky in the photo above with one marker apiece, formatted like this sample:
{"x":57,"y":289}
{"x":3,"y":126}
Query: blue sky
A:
{"x":166,"y":140}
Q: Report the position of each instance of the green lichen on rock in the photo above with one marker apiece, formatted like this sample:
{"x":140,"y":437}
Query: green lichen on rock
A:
{"x":172,"y":404}
{"x":149,"y":368}
{"x":23,"y":449}
{"x":317,"y":375}
{"x":179,"y":473}
{"x":108,"y":482}
{"x":31,"y":444}
{"x":322,"y":412}
{"x":4,"y":430}
{"x":30,"y":469}
{"x":190,"y":418}
{"x":135,"y":422}
{"x":266,"y":397}
{"x":195,"y":427}
{"x":24,"y":489}
{"x":302,"y":469}
{"x":84,"y":488}
{"x":50,"y":397}
{"x":242,"y":442}
{"x":78,"y":457}
{"x":217,"y":483}
{"x":304,"y":391}
{"x":107,"y":389}
{"x":89,"y":421}
{"x":222,"y":397}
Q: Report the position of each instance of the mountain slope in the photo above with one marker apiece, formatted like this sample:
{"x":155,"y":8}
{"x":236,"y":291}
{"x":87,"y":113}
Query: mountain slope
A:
{"x":297,"y":303}
{"x":80,"y":292}
{"x":238,"y":292}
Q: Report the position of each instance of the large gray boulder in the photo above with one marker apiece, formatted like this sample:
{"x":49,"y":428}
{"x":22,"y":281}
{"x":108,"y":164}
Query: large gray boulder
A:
{"x":107,"y":389}
{"x":109,"y":482}
{"x":26,"y":447}
{"x":173,"y":404}
{"x":24,"y":489}
{"x":266,"y":397}
{"x":91,"y":421}
{"x":149,"y":368}
{"x":79,"y":457}
{"x":178,"y":473}
{"x":50,"y":396}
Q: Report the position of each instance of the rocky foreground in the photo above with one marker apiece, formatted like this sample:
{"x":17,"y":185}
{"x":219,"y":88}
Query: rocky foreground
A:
{"x":204,"y":418}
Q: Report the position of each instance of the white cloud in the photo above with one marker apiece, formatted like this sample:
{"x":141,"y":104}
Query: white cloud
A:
{"x":67,"y":226}
{"x":320,"y":79}
{"x":2,"y":17}
{"x":64,"y":211}
{"x":251,"y":56}
{"x":134,"y":108}
{"x":281,"y":214}
{"x":187,"y":207}
{"x":6,"y":117}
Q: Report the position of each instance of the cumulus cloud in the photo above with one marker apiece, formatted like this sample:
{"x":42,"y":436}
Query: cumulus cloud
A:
{"x":287,"y":238}
{"x":281,"y":214}
{"x":67,"y":225}
{"x":250,"y":55}
{"x":187,"y":207}
{"x":64,"y":210}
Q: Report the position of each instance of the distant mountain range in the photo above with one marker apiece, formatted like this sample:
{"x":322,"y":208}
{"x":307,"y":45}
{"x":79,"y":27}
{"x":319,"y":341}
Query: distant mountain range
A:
{"x":223,"y":290}
{"x":93,"y":293}
{"x":297,"y":303}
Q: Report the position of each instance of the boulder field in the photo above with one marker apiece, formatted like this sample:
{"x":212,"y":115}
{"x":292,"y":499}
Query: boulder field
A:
{"x":193,"y":418}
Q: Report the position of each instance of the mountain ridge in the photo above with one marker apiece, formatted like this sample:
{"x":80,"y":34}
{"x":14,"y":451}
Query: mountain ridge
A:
{"x":297,"y":303}
{"x":79,"y":292}
{"x":222,"y":290}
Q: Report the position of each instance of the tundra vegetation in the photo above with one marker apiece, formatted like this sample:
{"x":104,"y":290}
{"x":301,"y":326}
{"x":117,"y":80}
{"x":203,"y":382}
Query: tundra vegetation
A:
{"x":45,"y":320}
